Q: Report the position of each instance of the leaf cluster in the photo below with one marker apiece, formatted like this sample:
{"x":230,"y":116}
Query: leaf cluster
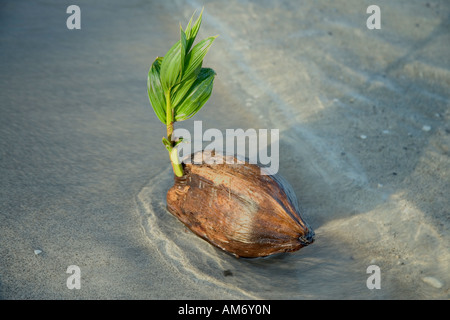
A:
{"x":178,"y":86}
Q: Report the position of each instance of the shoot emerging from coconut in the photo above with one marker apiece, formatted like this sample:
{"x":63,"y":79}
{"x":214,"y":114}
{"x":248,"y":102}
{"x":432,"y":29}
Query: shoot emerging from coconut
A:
{"x":233,"y":207}
{"x":178,"y":86}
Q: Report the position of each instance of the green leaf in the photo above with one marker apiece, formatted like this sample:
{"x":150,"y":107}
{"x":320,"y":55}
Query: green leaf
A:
{"x":197,"y":96}
{"x":180,"y":91}
{"x":179,"y":78}
{"x":171,"y":67}
{"x":180,"y":140}
{"x":184,"y":49}
{"x":195,"y":57}
{"x":155,"y":90}
{"x":188,"y":27}
{"x":191,"y":32}
{"x":167,"y":143}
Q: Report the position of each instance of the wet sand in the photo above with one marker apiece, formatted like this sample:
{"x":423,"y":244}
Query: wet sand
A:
{"x":364,"y":141}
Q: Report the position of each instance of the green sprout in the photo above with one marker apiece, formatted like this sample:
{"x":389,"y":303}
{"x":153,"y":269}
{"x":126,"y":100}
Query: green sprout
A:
{"x":178,"y":86}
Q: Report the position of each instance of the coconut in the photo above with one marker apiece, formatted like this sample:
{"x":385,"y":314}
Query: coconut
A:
{"x":233,"y":206}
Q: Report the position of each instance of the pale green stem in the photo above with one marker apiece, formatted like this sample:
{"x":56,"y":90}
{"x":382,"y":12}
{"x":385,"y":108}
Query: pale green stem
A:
{"x":173,"y":154}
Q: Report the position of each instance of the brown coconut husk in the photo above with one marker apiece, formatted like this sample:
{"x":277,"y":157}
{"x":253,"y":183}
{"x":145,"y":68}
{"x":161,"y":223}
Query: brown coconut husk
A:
{"x":238,"y":209}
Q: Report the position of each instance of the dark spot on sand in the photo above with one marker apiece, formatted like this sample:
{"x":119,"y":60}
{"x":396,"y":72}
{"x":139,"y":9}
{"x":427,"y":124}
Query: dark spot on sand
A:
{"x":227,"y":273}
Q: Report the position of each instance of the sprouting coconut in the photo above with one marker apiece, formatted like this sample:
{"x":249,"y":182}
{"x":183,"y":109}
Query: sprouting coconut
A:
{"x":232,"y":206}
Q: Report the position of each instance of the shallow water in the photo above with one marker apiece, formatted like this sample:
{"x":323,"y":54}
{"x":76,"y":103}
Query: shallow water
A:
{"x":363,"y":117}
{"x":282,"y":276}
{"x":351,"y":105}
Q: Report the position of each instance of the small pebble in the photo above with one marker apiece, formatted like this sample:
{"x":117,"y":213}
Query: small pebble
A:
{"x":37,"y":251}
{"x":227,"y":273}
{"x":380,"y":185}
{"x":426,"y":128}
{"x":385,"y":131}
{"x":432,"y":282}
{"x":363,"y":136}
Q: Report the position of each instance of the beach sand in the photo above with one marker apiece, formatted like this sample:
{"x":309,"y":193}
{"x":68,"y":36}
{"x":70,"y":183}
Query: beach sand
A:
{"x":364,"y":141}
